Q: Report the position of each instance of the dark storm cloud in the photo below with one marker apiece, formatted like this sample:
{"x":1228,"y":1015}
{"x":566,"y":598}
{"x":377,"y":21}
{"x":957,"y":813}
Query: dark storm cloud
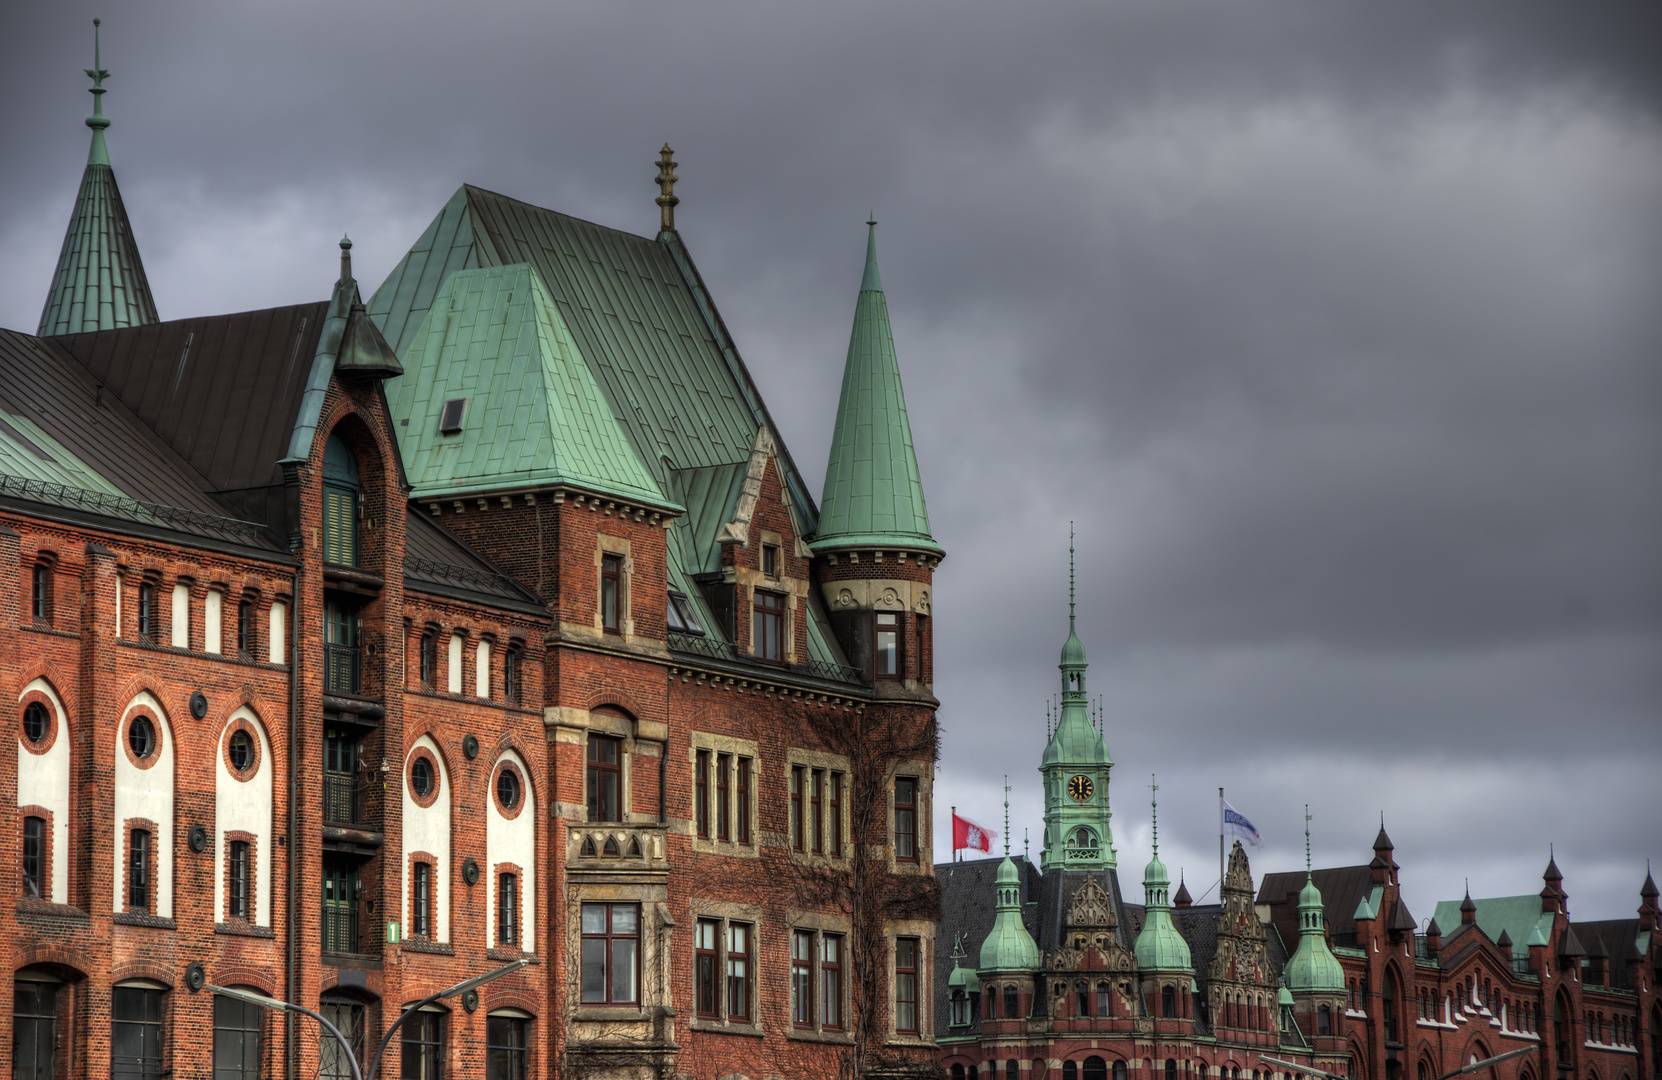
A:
{"x":1332,"y":326}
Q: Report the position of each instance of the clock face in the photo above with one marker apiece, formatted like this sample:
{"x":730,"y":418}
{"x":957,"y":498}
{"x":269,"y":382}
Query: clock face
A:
{"x":1079,"y":787}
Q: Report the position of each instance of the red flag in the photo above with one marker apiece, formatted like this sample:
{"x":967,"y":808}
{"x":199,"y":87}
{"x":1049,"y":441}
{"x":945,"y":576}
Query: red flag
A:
{"x":968,"y":834}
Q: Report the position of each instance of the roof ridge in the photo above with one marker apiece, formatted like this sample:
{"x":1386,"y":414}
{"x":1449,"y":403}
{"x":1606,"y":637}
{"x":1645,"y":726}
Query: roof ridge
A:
{"x":557,"y":213}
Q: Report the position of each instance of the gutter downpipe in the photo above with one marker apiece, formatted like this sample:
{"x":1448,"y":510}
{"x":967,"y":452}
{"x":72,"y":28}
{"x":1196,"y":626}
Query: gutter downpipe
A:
{"x":293,"y":958}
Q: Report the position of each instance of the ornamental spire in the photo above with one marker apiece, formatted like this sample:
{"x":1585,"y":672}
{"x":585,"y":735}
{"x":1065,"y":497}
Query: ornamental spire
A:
{"x":1154,"y":812}
{"x":666,"y":199}
{"x":1006,"y":815}
{"x":99,"y":154}
{"x":1070,"y":577}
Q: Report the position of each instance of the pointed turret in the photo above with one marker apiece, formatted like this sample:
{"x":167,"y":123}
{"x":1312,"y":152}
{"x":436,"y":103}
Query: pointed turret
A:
{"x":873,"y":497}
{"x":1008,"y":946}
{"x":1159,"y":946}
{"x":99,"y":283}
{"x":1076,"y":766}
{"x":1313,"y":969}
{"x":1648,"y":911}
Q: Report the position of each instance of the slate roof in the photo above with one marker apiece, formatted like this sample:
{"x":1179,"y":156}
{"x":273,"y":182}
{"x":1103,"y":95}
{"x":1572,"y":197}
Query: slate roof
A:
{"x":1342,"y":889}
{"x":1617,"y":939}
{"x":437,"y":560}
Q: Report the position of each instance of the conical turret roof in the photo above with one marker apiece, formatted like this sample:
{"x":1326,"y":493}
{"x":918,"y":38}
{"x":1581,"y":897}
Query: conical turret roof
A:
{"x":873,"y":496}
{"x":1313,"y":968}
{"x":99,"y":283}
{"x":1008,"y":946}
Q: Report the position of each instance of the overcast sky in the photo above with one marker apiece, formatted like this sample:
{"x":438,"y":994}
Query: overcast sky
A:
{"x":1335,"y":328}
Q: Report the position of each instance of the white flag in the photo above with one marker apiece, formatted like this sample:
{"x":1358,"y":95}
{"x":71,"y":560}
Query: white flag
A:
{"x":1235,"y":824}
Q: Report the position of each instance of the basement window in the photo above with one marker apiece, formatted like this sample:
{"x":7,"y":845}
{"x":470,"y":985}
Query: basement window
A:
{"x":450,"y":420}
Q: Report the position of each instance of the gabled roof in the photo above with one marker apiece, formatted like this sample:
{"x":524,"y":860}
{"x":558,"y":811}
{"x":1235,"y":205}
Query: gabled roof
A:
{"x":1518,"y":916}
{"x":1343,"y":889}
{"x":534,"y":414}
{"x":872,"y":493}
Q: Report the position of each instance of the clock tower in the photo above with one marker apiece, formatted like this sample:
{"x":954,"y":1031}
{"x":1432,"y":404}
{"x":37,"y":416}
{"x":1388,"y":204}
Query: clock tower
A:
{"x":1075,"y":769}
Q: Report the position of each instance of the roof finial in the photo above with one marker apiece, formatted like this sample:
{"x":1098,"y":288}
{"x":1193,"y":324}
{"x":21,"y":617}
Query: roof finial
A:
{"x":1070,"y":577}
{"x":1006,"y":815}
{"x":1154,"y":814}
{"x":1307,"y":841}
{"x":99,"y":155}
{"x":666,"y":199}
{"x":345,"y":257}
{"x":1024,"y":856}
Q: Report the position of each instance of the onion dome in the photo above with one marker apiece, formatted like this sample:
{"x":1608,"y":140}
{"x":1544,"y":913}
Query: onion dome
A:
{"x":1313,"y":967}
{"x":1159,"y":945}
{"x":1009,"y":947}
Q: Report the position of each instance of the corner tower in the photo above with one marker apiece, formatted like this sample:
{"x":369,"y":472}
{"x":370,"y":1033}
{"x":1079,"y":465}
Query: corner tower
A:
{"x":1075,"y":768}
{"x":99,"y":283}
{"x":873,"y":528}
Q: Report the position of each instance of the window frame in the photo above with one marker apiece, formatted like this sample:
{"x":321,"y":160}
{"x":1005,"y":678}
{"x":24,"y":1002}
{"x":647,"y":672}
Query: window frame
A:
{"x":795,"y":823}
{"x":889,"y":634}
{"x":741,"y":791}
{"x":516,"y":1054}
{"x":507,"y":909}
{"x":908,"y":807}
{"x":512,"y":690}
{"x":803,"y":948}
{"x":145,"y":612}
{"x":831,"y":971}
{"x":724,"y":808}
{"x":609,"y":936}
{"x":771,"y":561}
{"x":767,"y":626}
{"x":611,"y":591}
{"x":427,"y":663}
{"x":907,"y":976}
{"x":707,"y":968}
{"x":816,"y":812}
{"x":250,"y":1020}
{"x":238,"y":873}
{"x":424,"y":1033}
{"x":421,"y":899}
{"x":139,"y":867}
{"x":152,"y":1032}
{"x":701,"y":792}
{"x":35,"y":882}
{"x":41,"y":598}
{"x":596,"y":769}
{"x":738,"y":968}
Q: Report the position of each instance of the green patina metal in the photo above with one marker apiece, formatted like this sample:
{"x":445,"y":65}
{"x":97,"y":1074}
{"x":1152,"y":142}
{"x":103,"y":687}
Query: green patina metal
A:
{"x":1008,"y":946}
{"x":1519,"y":917}
{"x":1075,"y":767}
{"x":1159,"y":946}
{"x":534,"y":414}
{"x":872,"y":495}
{"x":1312,"y":968}
{"x":99,"y":283}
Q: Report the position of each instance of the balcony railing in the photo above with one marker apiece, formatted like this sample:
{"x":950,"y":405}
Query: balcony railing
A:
{"x":342,"y":669}
{"x":340,"y":928}
{"x":340,"y":798}
{"x":716,"y":649}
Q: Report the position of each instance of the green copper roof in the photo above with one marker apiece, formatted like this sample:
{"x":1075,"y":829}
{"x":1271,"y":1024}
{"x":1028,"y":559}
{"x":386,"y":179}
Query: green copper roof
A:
{"x":1009,"y":947}
{"x":1520,"y":917}
{"x":1159,"y":945}
{"x":872,"y":494}
{"x":534,"y":414}
{"x":963,"y":978}
{"x":1368,"y":906}
{"x":99,"y":283}
{"x":1313,"y":968}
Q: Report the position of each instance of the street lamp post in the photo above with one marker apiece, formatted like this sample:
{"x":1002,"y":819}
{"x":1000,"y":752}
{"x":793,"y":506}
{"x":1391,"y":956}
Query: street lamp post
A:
{"x":1309,"y":1070}
{"x":1475,"y":1066}
{"x":192,"y":981}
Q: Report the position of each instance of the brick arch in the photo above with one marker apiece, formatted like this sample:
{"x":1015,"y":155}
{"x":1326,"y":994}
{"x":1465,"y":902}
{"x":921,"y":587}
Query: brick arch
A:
{"x":52,"y":954}
{"x":614,"y":697}
{"x":504,"y":744}
{"x":242,"y":975}
{"x":129,"y":694}
{"x":345,"y":418}
{"x":143,"y":969}
{"x":430,"y":729}
{"x":509,"y":997}
{"x":43,"y":672}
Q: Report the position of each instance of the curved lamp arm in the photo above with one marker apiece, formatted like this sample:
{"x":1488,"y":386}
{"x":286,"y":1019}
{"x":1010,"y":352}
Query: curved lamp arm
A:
{"x":281,"y":1006}
{"x":460,"y":988}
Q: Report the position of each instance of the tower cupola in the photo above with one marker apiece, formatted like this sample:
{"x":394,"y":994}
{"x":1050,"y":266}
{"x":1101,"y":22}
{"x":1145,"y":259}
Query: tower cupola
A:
{"x":1160,"y":947}
{"x":1313,"y":968}
{"x":1075,"y":765}
{"x":1008,"y":946}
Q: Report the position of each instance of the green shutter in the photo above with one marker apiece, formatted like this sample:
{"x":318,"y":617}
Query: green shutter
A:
{"x":340,"y":526}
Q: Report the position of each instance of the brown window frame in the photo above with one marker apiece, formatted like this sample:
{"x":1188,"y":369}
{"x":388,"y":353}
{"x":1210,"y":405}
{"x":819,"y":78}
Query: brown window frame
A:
{"x":507,"y":908}
{"x":835,"y":847}
{"x":36,"y":878}
{"x":739,"y":964}
{"x":707,"y":968}
{"x":421,"y":899}
{"x":511,"y":674}
{"x":796,"y":808}
{"x":724,"y":809}
{"x":40,"y":600}
{"x":239,"y":872}
{"x":803,"y":948}
{"x":904,"y":974}
{"x":139,"y":864}
{"x":767,"y":626}
{"x":741,"y":791}
{"x":701,"y":793}
{"x":595,"y":768}
{"x":608,"y":936}
{"x":831,"y":971}
{"x":908,"y":808}
{"x":770,"y":560}
{"x":246,"y":645}
{"x":816,"y":833}
{"x":611,"y":590}
{"x":146,"y":628}
{"x":886,"y":633}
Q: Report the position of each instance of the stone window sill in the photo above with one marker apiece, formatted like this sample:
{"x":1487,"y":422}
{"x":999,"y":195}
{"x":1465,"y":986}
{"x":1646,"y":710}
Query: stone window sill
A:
{"x":722,"y":1027}
{"x":836,"y":1038}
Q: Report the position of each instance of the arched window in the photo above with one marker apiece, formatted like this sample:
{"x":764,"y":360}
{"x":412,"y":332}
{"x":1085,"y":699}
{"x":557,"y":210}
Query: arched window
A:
{"x":1171,"y":1069}
{"x":1119,"y":1070}
{"x":340,"y":503}
{"x":1102,"y":1006}
{"x":1012,"y":1004}
{"x":958,"y":1071}
{"x":992,"y":1003}
{"x":1070,"y":1070}
{"x":1012,"y":1071}
{"x":1388,"y":1006}
{"x":1096,"y":1068}
{"x":1168,"y":1002}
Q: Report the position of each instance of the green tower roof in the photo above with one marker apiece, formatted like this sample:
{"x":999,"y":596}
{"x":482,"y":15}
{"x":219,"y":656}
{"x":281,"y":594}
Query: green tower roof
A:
{"x":99,"y":283}
{"x":1159,"y":945}
{"x":1313,"y":968}
{"x":873,"y":496}
{"x":1008,"y":947}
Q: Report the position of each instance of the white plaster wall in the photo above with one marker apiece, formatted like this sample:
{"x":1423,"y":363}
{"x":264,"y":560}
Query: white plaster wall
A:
{"x":482,"y":669}
{"x":181,"y":617}
{"x":145,"y":793}
{"x":278,"y":636}
{"x":120,"y":587}
{"x":427,"y":828}
{"x":513,"y":841}
{"x":454,"y":676}
{"x":244,"y":806}
{"x":212,"y":608}
{"x":43,"y":780}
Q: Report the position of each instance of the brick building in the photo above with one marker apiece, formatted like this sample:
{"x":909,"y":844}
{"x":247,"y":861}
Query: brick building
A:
{"x":359,"y":648}
{"x":1325,"y":969}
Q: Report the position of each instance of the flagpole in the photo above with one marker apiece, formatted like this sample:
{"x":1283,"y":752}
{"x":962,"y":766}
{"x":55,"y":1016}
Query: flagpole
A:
{"x":956,"y":857}
{"x":1220,"y":845}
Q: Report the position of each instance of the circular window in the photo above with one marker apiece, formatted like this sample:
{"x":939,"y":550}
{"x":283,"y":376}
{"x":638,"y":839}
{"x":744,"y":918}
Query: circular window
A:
{"x":36,"y":723}
{"x":241,"y":750}
{"x":141,"y":737}
{"x":507,"y":789}
{"x":421,"y":777}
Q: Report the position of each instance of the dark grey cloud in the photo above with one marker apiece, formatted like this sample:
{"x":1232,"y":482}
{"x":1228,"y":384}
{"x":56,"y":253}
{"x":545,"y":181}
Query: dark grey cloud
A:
{"x":1332,"y":326}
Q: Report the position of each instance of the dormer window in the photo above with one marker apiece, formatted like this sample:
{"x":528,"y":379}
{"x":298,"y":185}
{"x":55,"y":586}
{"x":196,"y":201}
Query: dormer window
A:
{"x":450,"y":419}
{"x":681,"y":616}
{"x":770,"y":560}
{"x":340,"y":504}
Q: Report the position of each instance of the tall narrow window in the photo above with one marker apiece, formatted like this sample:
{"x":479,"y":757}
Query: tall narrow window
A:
{"x":611,"y":592}
{"x":138,"y":870}
{"x":835,"y":798}
{"x":1388,"y":1006}
{"x":906,"y":818}
{"x":724,"y":764}
{"x":342,"y":634}
{"x":1168,"y":1002}
{"x":605,"y":778}
{"x":738,"y":971}
{"x":1082,"y":990}
{"x":245,"y":630}
{"x":236,"y":1039}
{"x":816,"y":817}
{"x":742,"y":794}
{"x":348,"y":1017}
{"x":611,"y":953}
{"x":507,"y":1042}
{"x":701,"y":792}
{"x":906,"y":985}
{"x":767,"y":626}
{"x":147,"y":612}
{"x":34,"y":856}
{"x":340,"y":904}
{"x":136,"y":1033}
{"x":770,"y":560}
{"x":887,"y":645}
{"x":340,"y":775}
{"x":340,"y":504}
{"x":421,"y":900}
{"x":239,"y":874}
{"x":510,"y":675}
{"x":34,"y":1030}
{"x":422,"y":1046}
{"x":796,"y":807}
{"x":705,"y":971}
{"x":1324,"y":1021}
{"x":41,"y":599}
{"x":429,"y":659}
{"x":802,"y":978}
{"x":507,"y":910}
{"x":831,"y":979}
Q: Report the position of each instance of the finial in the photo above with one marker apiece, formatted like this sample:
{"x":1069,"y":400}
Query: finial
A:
{"x":1154,"y":816}
{"x":1307,"y":841}
{"x":1070,"y":576}
{"x":666,"y":199}
{"x":345,"y":258}
{"x":1024,"y":856}
{"x":1006,"y":815}
{"x":97,"y":121}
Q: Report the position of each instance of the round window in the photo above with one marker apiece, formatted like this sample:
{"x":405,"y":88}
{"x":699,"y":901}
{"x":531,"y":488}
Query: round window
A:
{"x":421,"y":777}
{"x":507,"y":789}
{"x":141,"y":737}
{"x":241,"y":750}
{"x":35,"y":723}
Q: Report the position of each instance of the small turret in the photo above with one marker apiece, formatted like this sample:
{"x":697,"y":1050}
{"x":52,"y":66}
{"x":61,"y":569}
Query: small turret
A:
{"x":1008,"y":946}
{"x":1648,"y":911}
{"x":1468,"y":909}
{"x":1313,"y":968}
{"x":1160,"y":948}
